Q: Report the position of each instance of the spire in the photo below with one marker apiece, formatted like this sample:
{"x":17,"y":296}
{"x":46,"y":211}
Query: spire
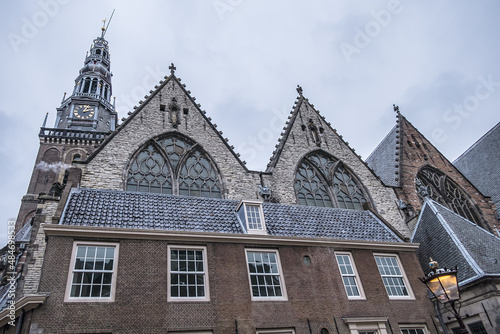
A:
{"x":89,"y":106}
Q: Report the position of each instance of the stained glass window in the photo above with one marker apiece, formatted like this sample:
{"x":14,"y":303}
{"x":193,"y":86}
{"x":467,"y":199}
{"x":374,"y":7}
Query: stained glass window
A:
{"x":443,"y":190}
{"x":322,"y":180}
{"x":173,"y":165}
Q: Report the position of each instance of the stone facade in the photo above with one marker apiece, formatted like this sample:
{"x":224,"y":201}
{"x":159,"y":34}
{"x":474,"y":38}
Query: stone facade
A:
{"x":298,"y":140}
{"x":107,"y":168}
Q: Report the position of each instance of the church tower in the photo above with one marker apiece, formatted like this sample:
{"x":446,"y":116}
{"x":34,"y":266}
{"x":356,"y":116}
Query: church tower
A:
{"x":83,"y":121}
{"x":89,"y":108}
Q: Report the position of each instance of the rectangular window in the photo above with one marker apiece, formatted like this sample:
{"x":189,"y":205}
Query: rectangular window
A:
{"x":477,"y":328}
{"x":92,"y":272}
{"x":187,"y":273}
{"x":395,"y":282}
{"x":413,"y":331}
{"x":276,"y":331}
{"x":251,"y":217}
{"x":349,"y":275}
{"x":266,"y":278}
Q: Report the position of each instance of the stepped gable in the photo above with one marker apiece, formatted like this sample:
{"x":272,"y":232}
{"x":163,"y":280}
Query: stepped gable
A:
{"x":173,"y":79}
{"x":135,"y":210}
{"x":452,"y":241}
{"x":385,"y":159}
{"x":484,"y":156}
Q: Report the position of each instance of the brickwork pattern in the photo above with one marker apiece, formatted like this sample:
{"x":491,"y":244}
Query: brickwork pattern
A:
{"x":418,"y":152}
{"x":315,"y":293}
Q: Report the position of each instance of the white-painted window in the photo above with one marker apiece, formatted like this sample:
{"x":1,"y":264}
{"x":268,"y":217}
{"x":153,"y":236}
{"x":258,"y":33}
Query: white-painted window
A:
{"x":187,"y":273}
{"x":265,"y":275}
{"x":252,"y":217}
{"x":395,"y":280}
{"x":93,"y":272}
{"x":350,"y":276}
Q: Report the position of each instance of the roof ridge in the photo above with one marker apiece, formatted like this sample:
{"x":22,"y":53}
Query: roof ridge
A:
{"x":476,"y":143}
{"x":465,"y":252}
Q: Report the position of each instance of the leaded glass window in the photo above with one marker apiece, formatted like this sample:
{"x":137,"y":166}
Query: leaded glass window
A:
{"x":173,"y":165}
{"x":443,"y":190}
{"x":322,"y":180}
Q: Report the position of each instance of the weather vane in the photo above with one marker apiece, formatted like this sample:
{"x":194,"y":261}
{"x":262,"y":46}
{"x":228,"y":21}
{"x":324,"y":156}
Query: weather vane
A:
{"x":104,"y":29}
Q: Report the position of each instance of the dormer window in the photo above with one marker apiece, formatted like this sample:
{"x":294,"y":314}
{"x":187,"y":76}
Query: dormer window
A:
{"x":251,"y":217}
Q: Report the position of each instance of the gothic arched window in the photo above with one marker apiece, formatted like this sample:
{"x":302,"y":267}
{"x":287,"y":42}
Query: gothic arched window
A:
{"x":175,"y":165}
{"x":442,"y":189}
{"x":322,"y":180}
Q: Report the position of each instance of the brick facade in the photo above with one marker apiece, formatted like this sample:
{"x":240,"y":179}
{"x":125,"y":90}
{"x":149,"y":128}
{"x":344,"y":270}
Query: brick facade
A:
{"x":315,"y":292}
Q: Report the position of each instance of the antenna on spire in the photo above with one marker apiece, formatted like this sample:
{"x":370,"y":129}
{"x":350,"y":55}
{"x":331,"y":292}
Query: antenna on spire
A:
{"x":104,"y":29}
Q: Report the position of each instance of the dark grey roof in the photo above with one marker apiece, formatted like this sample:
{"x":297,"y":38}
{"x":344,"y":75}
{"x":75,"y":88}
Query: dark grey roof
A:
{"x":109,"y":208}
{"x":383,"y":159}
{"x":481,"y":164}
{"x":452,"y":240}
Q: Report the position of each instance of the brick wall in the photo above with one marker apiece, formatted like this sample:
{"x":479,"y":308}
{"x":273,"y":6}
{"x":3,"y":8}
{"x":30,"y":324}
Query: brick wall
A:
{"x":315,"y":292}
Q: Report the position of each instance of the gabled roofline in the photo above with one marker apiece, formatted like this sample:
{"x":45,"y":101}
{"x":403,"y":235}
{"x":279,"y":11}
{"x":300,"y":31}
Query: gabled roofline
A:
{"x":163,"y":83}
{"x":476,"y":143}
{"x":281,"y":141}
{"x":470,"y":259}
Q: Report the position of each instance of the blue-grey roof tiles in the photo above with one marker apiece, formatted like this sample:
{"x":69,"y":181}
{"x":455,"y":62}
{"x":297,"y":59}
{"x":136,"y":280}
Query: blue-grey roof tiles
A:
{"x":108,"y":208}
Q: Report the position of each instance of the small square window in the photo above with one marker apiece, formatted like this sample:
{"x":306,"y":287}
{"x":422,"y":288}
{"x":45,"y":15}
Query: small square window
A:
{"x":394,"y":278}
{"x":349,"y":275}
{"x":251,"y":217}
{"x":187,"y":274}
{"x":162,"y":107}
{"x":265,"y":275}
{"x":93,"y":272}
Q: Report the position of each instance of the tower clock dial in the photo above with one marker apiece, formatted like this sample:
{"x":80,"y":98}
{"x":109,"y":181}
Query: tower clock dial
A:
{"x":84,"y":111}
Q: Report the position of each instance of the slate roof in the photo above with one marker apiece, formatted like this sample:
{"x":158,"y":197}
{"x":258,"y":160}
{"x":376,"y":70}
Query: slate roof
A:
{"x":452,"y":241}
{"x":383,"y":160}
{"x":481,"y":164}
{"x":124,"y":209}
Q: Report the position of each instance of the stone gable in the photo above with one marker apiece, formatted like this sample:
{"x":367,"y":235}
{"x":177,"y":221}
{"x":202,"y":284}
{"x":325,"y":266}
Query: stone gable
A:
{"x":307,"y":131}
{"x":107,"y":169}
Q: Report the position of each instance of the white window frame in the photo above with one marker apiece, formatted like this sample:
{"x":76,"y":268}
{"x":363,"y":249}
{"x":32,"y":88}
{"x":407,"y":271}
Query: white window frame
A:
{"x":111,"y":298}
{"x":403,"y":276}
{"x":355,"y":275}
{"x":413,"y":326}
{"x":276,"y":331}
{"x":205,"y":273}
{"x":367,"y":324}
{"x":284,"y":296}
{"x":243,"y":206}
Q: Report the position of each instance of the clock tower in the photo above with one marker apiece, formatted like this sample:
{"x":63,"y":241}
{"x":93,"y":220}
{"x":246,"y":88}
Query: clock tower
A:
{"x":89,"y":108}
{"x":83,"y":121}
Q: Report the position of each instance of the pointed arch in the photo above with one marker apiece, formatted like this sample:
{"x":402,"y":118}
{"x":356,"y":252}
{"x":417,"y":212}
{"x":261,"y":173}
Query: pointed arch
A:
{"x":323,"y":180}
{"x":442,"y":189}
{"x":174,"y":164}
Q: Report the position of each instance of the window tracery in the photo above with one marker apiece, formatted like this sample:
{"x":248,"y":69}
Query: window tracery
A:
{"x":443,"y":190}
{"x":173,"y":165}
{"x":322,"y":180}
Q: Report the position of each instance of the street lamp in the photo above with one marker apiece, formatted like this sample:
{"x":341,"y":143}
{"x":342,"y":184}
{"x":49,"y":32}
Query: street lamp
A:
{"x":444,"y":286}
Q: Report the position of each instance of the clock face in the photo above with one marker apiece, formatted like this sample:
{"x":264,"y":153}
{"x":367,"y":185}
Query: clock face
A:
{"x":84,"y":111}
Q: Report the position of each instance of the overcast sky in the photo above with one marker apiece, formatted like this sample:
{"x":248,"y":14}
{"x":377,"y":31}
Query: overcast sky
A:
{"x":242,"y":60}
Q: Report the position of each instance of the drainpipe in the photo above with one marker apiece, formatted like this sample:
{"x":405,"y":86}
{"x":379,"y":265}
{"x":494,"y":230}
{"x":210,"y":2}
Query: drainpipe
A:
{"x":440,"y":316}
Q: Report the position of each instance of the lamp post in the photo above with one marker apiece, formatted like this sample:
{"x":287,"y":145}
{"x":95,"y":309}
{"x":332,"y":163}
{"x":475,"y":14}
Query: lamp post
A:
{"x":444,"y":286}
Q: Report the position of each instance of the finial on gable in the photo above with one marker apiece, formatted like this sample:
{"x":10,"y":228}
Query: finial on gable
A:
{"x":396,"y":108}
{"x":172,"y":68}
{"x":299,"y":90}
